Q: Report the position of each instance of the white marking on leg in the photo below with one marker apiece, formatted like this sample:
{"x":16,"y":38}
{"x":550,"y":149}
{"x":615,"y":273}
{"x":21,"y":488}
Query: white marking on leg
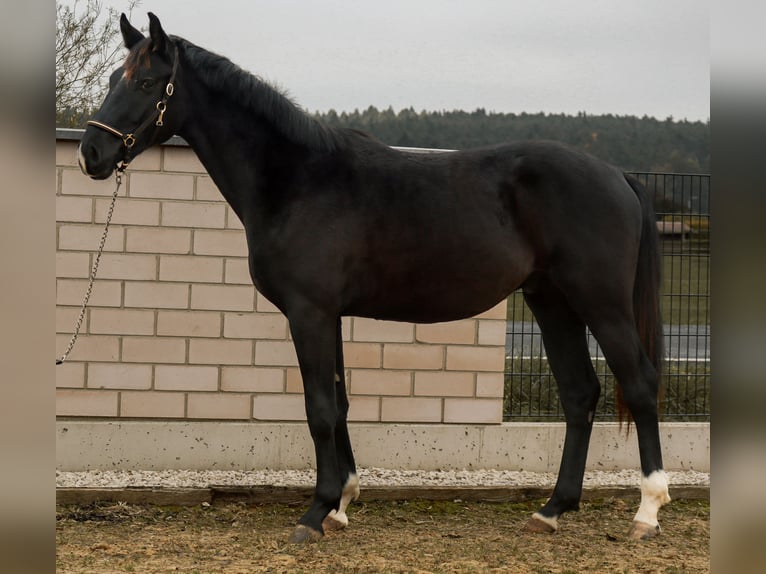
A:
{"x":350,"y":492}
{"x":654,"y":493}
{"x":337,"y":378}
{"x":553,"y":522}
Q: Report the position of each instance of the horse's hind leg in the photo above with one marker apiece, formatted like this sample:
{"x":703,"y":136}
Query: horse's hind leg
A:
{"x":566,"y":347}
{"x":337,"y":519}
{"x":639,"y":382}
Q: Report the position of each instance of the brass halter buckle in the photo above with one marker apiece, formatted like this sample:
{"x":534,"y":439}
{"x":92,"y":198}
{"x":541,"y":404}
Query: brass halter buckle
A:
{"x":161,"y":107}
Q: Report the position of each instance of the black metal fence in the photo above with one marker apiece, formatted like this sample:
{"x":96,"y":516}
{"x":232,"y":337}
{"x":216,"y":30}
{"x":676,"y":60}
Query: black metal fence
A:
{"x":682,"y":202}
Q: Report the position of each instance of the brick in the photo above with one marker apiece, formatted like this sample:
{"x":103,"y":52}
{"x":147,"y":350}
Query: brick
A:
{"x":218,"y":406}
{"x":90,"y":347}
{"x":185,"y":378}
{"x":156,"y":295}
{"x":88,"y":238}
{"x":275,"y":353}
{"x":74,"y":182}
{"x":444,"y":384}
{"x":181,"y":158}
{"x":232,"y":220}
{"x":473,"y":411}
{"x":254,"y":326}
{"x":66,"y":153}
{"x":70,"y":375}
{"x":189,"y":323}
{"x":252,"y":380}
{"x":152,"y":404}
{"x":413,"y":356}
{"x":190,"y":268}
{"x":220,"y":352}
{"x":408,"y":409}
{"x":188,"y":214}
{"x":263,"y":305}
{"x":121,"y":322}
{"x":499,"y":311}
{"x":153,"y":350}
{"x":377,"y":382}
{"x":161,"y":186}
{"x":237,"y":270}
{"x":490,"y":385}
{"x":362,"y":355}
{"x":455,"y":332}
{"x":158,"y":240}
{"x":104,"y":293}
{"x":492,"y":332}
{"x":224,"y":242}
{"x":74,"y":209}
{"x":72,"y":265}
{"x":127,"y":266}
{"x":66,"y":317}
{"x":279,"y":408}
{"x":129,"y":211}
{"x":206,"y":190}
{"x":86,"y":403}
{"x":119,"y":376}
{"x":222,"y":297}
{"x":293,"y":380}
{"x":149,"y":160}
{"x":346,"y":327}
{"x":475,"y":358}
{"x":384,"y":331}
{"x":364,"y":409}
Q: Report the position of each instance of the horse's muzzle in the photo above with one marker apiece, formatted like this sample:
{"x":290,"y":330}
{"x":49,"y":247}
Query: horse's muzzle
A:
{"x":89,"y":158}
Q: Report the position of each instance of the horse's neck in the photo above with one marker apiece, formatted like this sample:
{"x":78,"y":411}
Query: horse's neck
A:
{"x":233,"y":165}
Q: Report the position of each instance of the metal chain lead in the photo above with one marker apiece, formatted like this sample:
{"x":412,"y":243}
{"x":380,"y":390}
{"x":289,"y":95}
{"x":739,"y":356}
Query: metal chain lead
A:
{"x":94,"y":270}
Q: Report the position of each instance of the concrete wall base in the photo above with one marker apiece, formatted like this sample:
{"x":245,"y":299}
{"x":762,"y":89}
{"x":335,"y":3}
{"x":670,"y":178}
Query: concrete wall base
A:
{"x":210,"y":445}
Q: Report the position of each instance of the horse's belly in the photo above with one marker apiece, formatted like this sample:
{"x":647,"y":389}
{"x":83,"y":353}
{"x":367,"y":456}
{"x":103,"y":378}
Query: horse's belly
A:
{"x":437,"y":294}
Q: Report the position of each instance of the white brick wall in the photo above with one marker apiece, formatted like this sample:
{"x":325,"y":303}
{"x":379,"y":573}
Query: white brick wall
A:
{"x":175,"y":329}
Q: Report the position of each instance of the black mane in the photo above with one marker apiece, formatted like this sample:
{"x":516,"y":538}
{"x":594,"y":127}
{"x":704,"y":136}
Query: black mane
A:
{"x":254,"y":94}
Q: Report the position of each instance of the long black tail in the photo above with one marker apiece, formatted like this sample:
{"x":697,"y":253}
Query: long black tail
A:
{"x":646,"y":291}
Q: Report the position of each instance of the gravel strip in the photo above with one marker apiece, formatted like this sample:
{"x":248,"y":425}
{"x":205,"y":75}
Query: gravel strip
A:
{"x":367,"y":476}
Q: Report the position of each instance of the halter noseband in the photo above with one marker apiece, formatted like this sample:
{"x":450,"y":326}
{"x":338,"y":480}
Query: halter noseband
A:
{"x":129,"y":140}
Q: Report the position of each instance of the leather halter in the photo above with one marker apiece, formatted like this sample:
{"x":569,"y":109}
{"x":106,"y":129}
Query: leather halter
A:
{"x":129,"y":139}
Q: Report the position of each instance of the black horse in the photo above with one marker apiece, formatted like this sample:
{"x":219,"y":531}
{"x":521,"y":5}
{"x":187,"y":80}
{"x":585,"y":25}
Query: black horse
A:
{"x":339,"y":224}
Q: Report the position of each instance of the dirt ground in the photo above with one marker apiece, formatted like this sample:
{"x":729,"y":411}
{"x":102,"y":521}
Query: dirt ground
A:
{"x":390,"y":537}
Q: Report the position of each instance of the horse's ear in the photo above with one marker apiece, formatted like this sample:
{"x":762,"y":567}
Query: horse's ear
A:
{"x":130,"y":35}
{"x":160,"y":40}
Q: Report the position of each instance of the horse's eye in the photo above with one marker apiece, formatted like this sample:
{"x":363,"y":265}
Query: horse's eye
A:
{"x":147,"y":83}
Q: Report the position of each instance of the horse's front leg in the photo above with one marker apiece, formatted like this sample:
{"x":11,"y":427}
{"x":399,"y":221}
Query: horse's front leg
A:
{"x":338,"y":520}
{"x":314,"y":334}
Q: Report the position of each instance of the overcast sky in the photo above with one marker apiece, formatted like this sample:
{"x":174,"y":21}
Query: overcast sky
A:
{"x":643,"y":57}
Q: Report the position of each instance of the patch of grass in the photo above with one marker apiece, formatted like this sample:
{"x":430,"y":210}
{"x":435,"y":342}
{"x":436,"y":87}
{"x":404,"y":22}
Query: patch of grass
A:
{"x":686,"y":289}
{"x":531,"y":393}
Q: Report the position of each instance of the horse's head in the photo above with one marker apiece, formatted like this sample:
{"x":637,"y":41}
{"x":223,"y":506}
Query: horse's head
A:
{"x":138,"y":111}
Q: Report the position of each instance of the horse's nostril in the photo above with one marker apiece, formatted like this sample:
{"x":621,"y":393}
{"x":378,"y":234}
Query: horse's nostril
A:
{"x":92,"y":154}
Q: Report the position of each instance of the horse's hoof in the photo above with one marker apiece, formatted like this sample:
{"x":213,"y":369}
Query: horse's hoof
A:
{"x":335,"y":521}
{"x":643,"y":531}
{"x":304,"y":534}
{"x":539,"y":523}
